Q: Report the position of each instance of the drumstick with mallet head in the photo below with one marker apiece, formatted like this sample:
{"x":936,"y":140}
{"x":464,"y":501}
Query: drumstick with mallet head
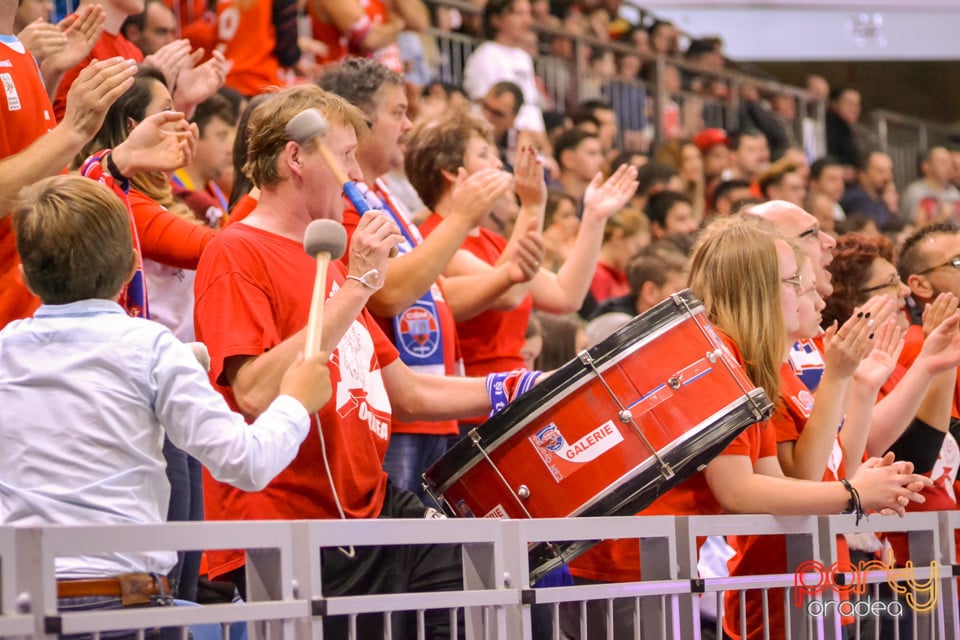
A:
{"x":310,"y":124}
{"x":324,"y":240}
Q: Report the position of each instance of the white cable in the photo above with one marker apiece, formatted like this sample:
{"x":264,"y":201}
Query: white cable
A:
{"x":352,"y":553}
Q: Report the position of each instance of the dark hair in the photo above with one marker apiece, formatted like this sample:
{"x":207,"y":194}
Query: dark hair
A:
{"x":216,"y":106}
{"x":570,"y":140}
{"x":494,"y":8}
{"x":911,"y":259}
{"x":359,"y":80}
{"x":655,"y":263}
{"x":727,"y":186}
{"x":74,"y":239}
{"x":818,"y":166}
{"x":131,"y":105}
{"x":702,"y":46}
{"x":837,"y":92}
{"x":505,"y":86}
{"x":734,"y":143}
{"x":653,"y":174}
{"x":852,"y":259}
{"x":559,"y":339}
{"x":659,"y":205}
{"x":242,"y":184}
{"x":624,"y":157}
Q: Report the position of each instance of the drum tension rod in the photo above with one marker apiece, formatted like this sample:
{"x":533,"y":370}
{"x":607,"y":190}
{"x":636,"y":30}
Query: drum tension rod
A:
{"x":626,"y":416}
{"x":475,"y":438}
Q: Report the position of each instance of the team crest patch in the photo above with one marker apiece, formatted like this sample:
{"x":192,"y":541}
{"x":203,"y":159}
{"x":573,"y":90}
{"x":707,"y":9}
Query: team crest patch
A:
{"x":419,"y":332}
{"x":549,"y":438}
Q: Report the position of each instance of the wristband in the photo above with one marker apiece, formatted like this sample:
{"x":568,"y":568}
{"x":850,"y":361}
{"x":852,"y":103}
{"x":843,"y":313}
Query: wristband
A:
{"x":854,"y":505}
{"x":122,"y":181}
{"x":505,"y":387}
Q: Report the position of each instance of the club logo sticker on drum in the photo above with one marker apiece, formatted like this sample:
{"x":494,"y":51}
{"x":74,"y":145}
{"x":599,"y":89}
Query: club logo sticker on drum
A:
{"x":562,"y":459}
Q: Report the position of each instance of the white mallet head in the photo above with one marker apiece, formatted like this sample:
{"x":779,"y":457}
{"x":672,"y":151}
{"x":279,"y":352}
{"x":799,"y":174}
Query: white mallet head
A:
{"x":306,"y":126}
{"x":325,"y":236}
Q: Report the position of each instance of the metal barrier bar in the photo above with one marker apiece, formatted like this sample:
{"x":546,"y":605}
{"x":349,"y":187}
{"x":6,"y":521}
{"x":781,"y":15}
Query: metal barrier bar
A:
{"x":497,"y":601}
{"x":13,"y":621}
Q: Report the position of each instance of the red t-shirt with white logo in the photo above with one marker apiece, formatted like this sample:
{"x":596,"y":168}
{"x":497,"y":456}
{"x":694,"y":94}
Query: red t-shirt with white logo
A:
{"x":253,"y":291}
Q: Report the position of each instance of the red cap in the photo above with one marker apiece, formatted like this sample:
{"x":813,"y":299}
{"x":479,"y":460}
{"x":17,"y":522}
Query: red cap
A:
{"x":710,"y":138}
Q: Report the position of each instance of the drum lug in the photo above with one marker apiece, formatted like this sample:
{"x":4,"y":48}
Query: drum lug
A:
{"x":674,"y":382}
{"x":713,"y":356}
{"x":523,"y":491}
{"x":626,"y":416}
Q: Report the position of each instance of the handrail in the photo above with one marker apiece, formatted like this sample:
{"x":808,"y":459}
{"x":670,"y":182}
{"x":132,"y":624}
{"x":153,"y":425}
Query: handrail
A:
{"x":496,"y":596}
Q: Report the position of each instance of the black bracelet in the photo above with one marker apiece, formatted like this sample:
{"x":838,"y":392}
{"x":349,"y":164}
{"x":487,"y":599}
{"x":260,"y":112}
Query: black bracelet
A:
{"x":854,"y":505}
{"x":113,"y":170}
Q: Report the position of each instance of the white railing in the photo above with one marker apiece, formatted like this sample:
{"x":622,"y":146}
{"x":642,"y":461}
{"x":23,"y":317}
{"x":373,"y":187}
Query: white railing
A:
{"x":284,"y":580}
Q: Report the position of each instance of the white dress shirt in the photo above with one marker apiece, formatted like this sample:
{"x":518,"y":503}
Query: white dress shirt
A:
{"x":86,"y":394}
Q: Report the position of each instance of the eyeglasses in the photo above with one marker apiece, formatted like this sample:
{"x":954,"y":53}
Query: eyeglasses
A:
{"x":795,"y":281}
{"x":893,"y":283}
{"x":953,"y":262}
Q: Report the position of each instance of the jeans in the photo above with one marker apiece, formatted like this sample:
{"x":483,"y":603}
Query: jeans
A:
{"x":408,"y":456}
{"x":185,"y":475}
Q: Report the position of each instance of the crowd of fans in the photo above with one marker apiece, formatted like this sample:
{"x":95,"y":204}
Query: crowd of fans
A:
{"x":525,"y":229}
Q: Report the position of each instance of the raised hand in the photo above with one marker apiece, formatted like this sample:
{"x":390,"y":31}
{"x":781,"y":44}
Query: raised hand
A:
{"x":96,"y":88}
{"x":941,"y":346}
{"x":474,"y":195}
{"x":943,"y":306}
{"x":531,"y":187}
{"x":170,"y":59}
{"x":162,"y":142}
{"x":197,"y":83}
{"x":874,"y":370}
{"x":42,"y":39}
{"x":375,"y":237}
{"x":603,"y":200}
{"x":844,"y":349}
{"x":80,"y":33}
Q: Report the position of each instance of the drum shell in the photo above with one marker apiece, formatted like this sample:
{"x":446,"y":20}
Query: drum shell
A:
{"x":565,"y":448}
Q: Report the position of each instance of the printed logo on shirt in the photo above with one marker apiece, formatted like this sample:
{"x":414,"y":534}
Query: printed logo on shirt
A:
{"x":10,"y":89}
{"x":563,"y":459}
{"x":360,"y":388}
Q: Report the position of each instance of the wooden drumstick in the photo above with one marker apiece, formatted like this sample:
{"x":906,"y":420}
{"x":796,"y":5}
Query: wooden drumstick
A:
{"x":324,"y":240}
{"x":310,"y":124}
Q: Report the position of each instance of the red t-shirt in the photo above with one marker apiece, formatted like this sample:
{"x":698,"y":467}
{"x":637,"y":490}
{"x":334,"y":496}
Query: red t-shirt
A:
{"x":247,"y":37}
{"x":491,"y":341}
{"x":619,"y":560}
{"x":758,"y":555}
{"x":608,"y":283}
{"x":25,"y":115}
{"x":253,"y":291}
{"x":108,"y":46}
{"x":448,"y":327}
